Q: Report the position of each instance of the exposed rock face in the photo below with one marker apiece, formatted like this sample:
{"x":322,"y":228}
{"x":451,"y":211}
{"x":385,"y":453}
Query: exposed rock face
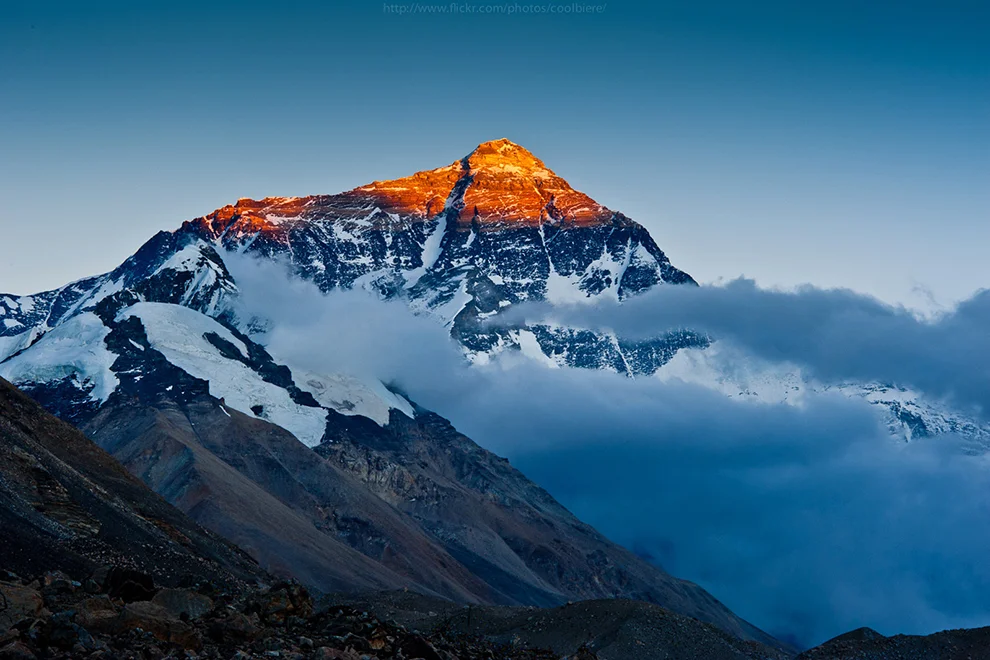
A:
{"x":168,"y":268}
{"x":258,"y":486}
{"x":506,"y":529}
{"x":465,"y":242}
{"x":18,"y":602}
{"x":498,"y":185}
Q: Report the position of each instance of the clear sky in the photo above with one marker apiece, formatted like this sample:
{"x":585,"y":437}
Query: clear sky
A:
{"x":835,"y":143}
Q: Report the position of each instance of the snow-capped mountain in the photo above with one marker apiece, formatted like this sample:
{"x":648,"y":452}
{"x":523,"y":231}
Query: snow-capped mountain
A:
{"x":462,"y":243}
{"x":465,"y":242}
{"x":153,"y":363}
{"x":340,"y":480}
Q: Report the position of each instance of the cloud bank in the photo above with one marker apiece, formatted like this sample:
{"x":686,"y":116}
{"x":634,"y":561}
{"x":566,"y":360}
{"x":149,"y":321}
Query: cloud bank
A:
{"x":808,"y":521}
{"x":836,"y":334}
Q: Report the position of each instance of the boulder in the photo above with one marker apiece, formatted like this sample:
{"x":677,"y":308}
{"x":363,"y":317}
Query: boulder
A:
{"x":16,"y":651}
{"x":284,"y":602}
{"x":235,"y":629}
{"x":183,"y":604}
{"x":129,"y":586}
{"x":97,"y":614}
{"x":18,"y":603}
{"x":156,"y":620}
{"x":63,"y":633}
{"x":57,"y":582}
{"x":415,"y":646}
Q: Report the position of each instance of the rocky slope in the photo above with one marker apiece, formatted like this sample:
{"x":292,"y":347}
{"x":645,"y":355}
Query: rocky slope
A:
{"x":258,"y":486}
{"x":211,"y":421}
{"x":65,"y":504}
{"x":91,"y":547}
{"x":54,"y":617}
{"x":604,"y":629}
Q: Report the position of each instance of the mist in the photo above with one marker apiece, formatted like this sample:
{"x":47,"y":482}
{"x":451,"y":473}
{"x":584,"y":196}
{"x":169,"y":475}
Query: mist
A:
{"x":807,"y":520}
{"x":835,"y":334}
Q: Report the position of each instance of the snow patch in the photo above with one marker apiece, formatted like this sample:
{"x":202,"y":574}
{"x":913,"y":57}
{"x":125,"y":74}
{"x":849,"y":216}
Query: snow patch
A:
{"x":351,"y":396}
{"x":446,"y":312}
{"x":530,"y":348}
{"x":178,"y":333}
{"x":431,"y":252}
{"x":75,"y":349}
{"x":564,"y":290}
{"x":185,"y":260}
{"x":729,"y":372}
{"x":14,"y":343}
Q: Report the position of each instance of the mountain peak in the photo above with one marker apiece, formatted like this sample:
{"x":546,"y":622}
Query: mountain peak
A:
{"x":499,"y":184}
{"x":503,"y":152}
{"x":509,"y":186}
{"x":500,"y":143}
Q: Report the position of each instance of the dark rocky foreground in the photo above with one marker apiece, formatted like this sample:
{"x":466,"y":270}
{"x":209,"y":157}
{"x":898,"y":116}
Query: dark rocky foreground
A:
{"x":608,"y":629}
{"x":120,"y":613}
{"x":124,"y":615}
{"x":68,"y":511}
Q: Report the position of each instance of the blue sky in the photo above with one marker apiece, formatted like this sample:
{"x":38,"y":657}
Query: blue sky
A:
{"x":840,"y":143}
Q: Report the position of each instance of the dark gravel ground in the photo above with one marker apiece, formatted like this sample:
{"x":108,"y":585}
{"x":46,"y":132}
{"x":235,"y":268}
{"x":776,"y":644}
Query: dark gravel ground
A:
{"x":612,"y":629}
{"x":126,"y":617}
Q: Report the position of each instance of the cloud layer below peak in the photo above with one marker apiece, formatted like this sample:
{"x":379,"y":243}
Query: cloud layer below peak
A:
{"x":808,"y":520}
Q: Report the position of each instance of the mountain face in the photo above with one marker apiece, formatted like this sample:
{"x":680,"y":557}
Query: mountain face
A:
{"x":66,"y":505}
{"x":336,"y":480}
{"x":462,"y":242}
{"x":465,"y":242}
